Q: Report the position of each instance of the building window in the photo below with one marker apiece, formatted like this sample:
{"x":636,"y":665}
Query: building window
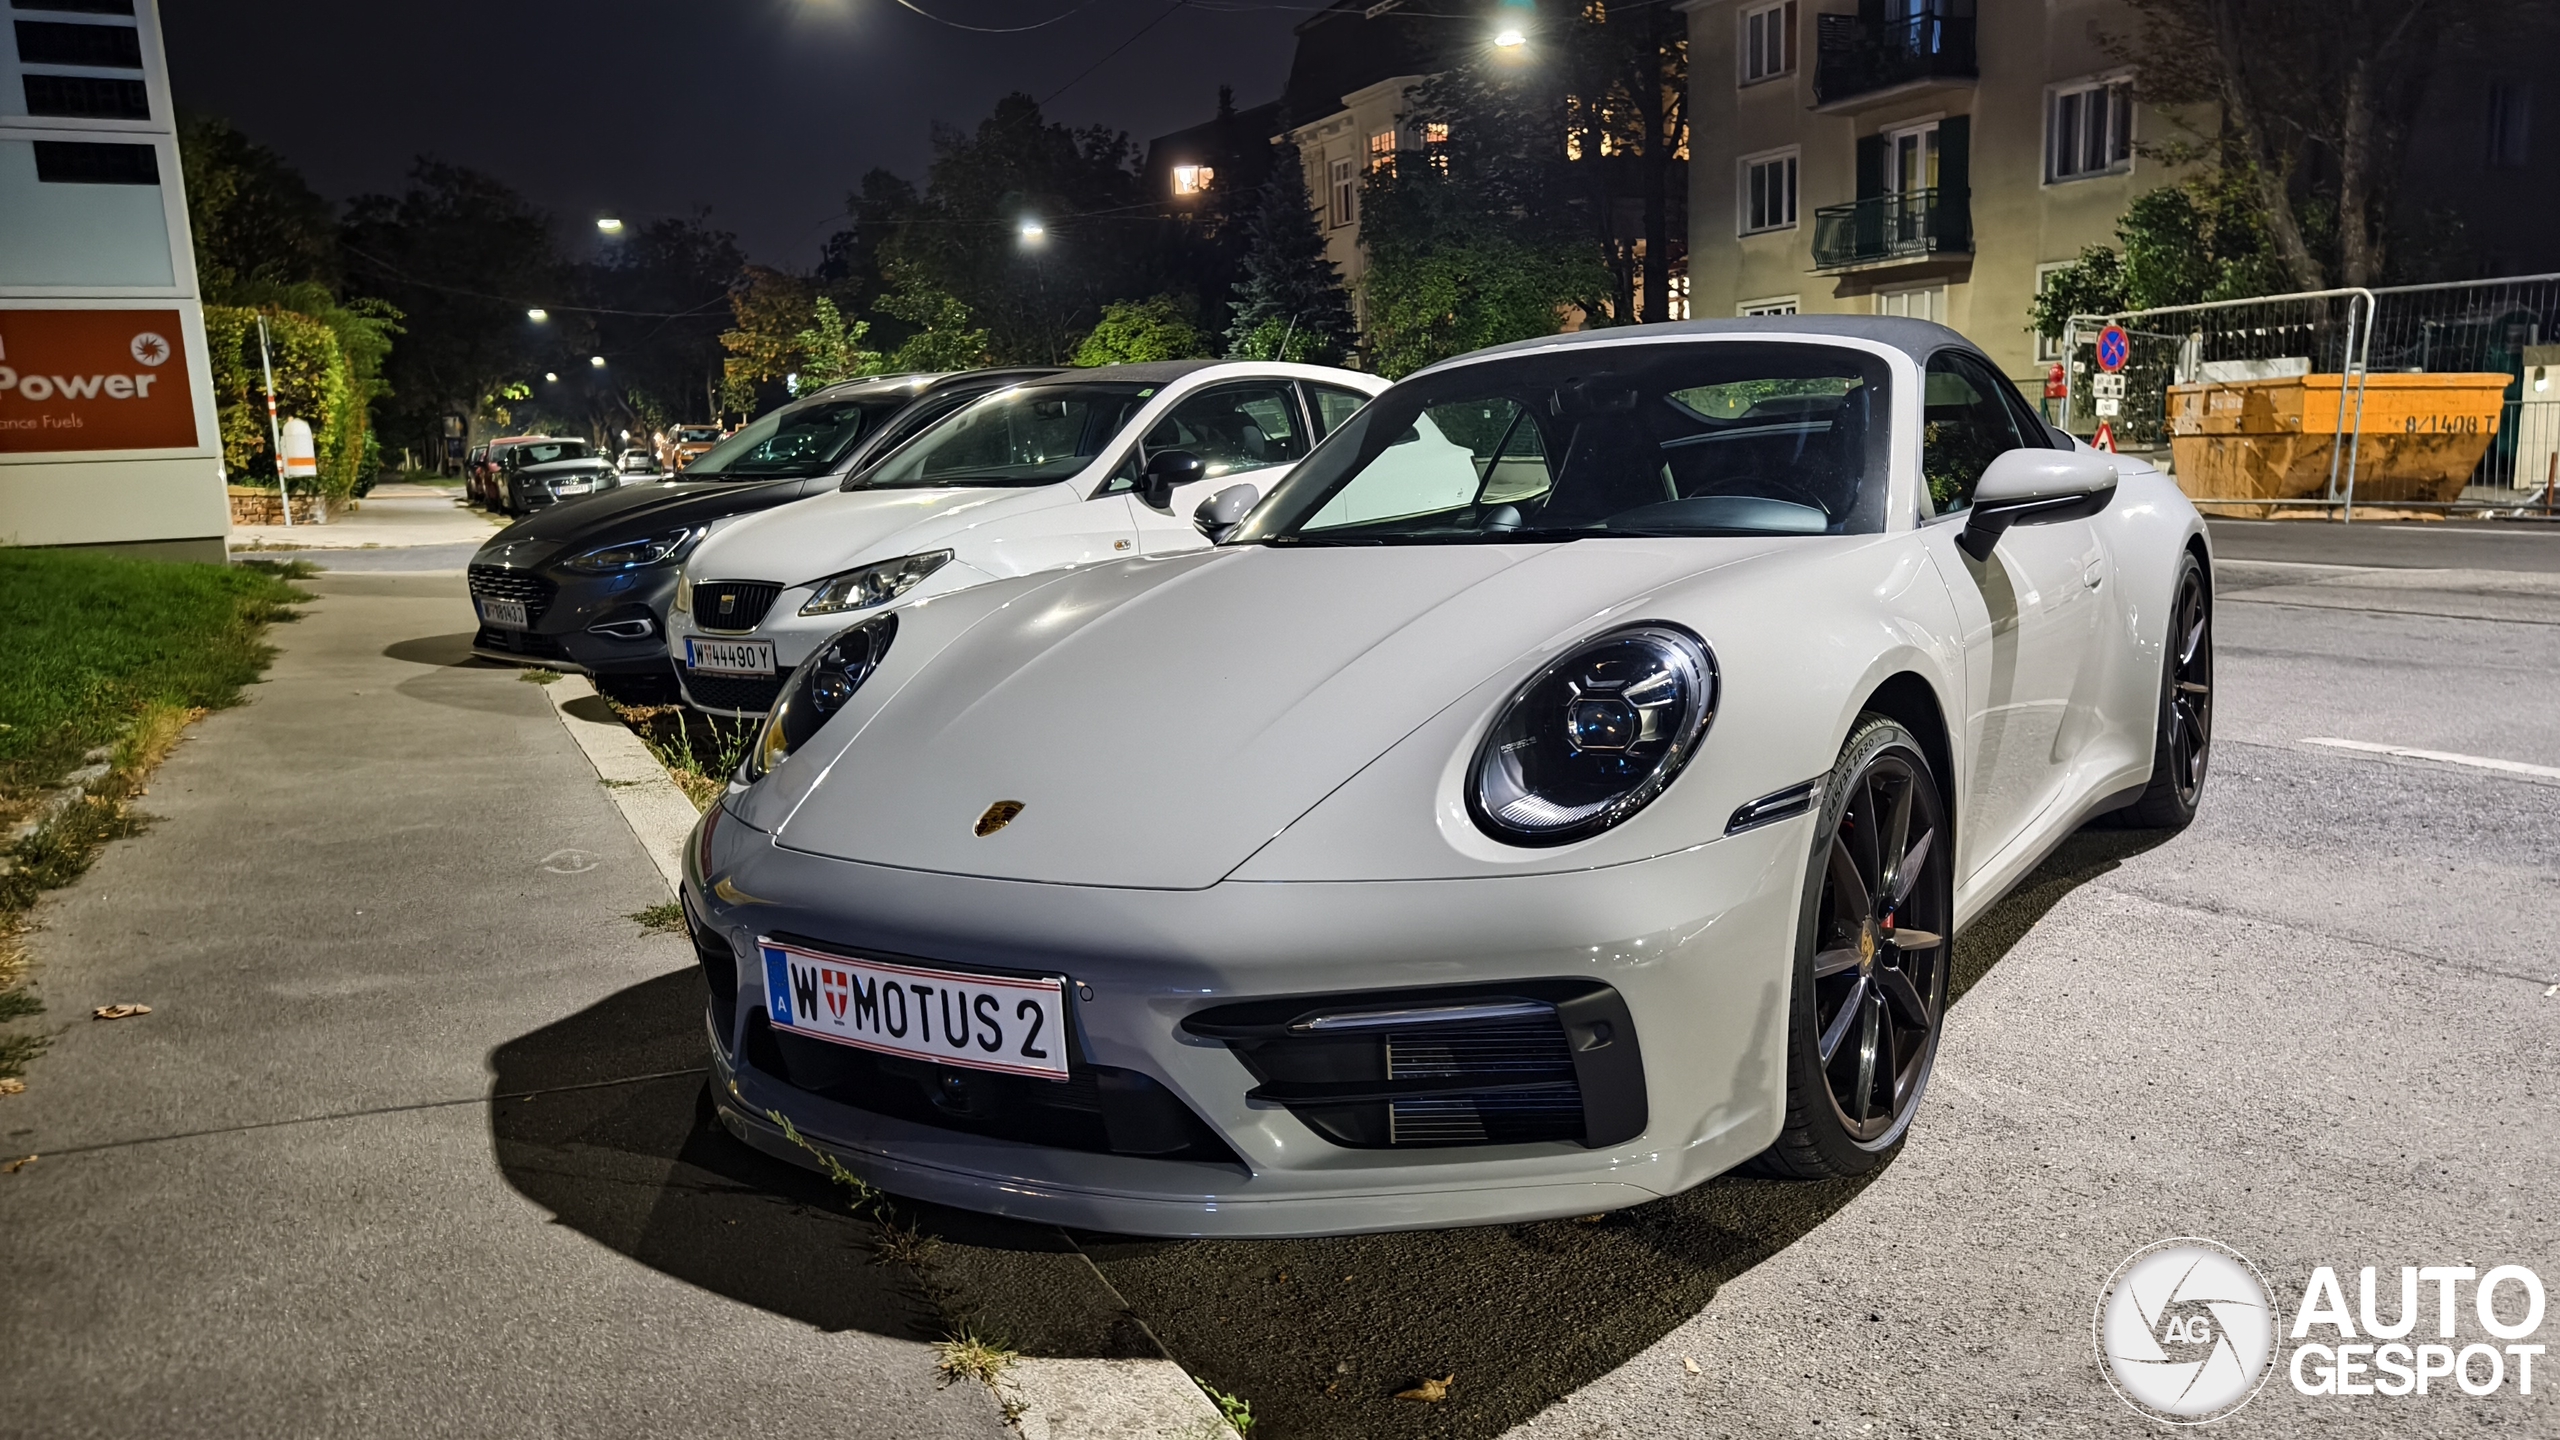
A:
{"x":2510,"y":124}
{"x":1775,"y":305}
{"x":1768,"y":42}
{"x":1768,"y":192}
{"x":1923,"y":302}
{"x":1346,"y":190}
{"x":2088,"y":130}
{"x":1192,"y":179}
{"x":1382,"y":150}
{"x":2049,"y":347}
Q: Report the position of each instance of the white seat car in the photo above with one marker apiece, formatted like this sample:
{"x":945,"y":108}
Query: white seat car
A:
{"x":1089,"y":465}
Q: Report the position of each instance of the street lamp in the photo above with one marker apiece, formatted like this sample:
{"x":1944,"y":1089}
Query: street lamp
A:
{"x":1033,"y":232}
{"x":1509,"y":40}
{"x":537,"y":315}
{"x":551,"y":375}
{"x":609,"y":225}
{"x":596,"y":360}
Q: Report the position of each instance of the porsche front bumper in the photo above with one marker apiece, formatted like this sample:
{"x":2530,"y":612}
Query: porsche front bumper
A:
{"x":1696,"y":945}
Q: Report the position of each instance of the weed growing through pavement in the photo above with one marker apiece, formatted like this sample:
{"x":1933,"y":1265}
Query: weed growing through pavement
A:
{"x":700,"y":751}
{"x":1235,"y":1411}
{"x":969,"y":1355}
{"x":665,"y":917}
{"x":536,"y":675}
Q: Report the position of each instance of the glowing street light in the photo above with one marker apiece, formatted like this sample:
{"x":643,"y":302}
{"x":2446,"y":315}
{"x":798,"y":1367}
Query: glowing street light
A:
{"x":609,"y":225}
{"x":1033,"y":232}
{"x":1510,"y":40}
{"x":537,"y":315}
{"x":552,"y":376}
{"x":596,"y":360}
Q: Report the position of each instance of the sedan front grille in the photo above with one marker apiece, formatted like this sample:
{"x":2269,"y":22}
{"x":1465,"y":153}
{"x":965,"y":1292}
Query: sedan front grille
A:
{"x":732,"y":605}
{"x":498,"y":582}
{"x":743,"y":694}
{"x":1541,"y":1060}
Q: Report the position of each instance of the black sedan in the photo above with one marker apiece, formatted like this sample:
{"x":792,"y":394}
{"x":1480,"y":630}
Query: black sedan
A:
{"x":585,"y":586}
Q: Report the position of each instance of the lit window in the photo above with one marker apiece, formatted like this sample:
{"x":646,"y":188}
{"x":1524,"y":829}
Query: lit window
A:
{"x":1345,"y":189}
{"x":1435,"y":133}
{"x":1768,"y":192}
{"x":2088,"y":130}
{"x":1192,"y":179}
{"x":1768,"y":42}
{"x":1382,"y":150}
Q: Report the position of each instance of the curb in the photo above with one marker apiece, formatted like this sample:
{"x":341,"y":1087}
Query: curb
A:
{"x":657,"y":811}
{"x":1108,"y":1400}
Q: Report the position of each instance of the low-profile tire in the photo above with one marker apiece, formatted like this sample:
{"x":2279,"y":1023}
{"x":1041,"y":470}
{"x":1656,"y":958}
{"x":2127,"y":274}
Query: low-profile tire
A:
{"x":2182,"y":741}
{"x":1873,"y":943}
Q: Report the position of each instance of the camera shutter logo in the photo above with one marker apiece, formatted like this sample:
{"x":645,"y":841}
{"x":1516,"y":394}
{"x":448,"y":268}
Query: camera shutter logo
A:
{"x":149,"y":348}
{"x":2186,"y":1333}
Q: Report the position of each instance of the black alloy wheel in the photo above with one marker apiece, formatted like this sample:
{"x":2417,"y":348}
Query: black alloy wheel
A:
{"x":1872,"y":959}
{"x":2184,"y":746}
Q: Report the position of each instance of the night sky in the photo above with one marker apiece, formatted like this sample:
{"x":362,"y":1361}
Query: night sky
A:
{"x":767,"y":111}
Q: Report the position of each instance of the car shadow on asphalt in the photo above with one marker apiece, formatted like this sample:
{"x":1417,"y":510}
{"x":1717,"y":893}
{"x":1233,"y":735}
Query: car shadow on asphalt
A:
{"x":1317,"y":1334}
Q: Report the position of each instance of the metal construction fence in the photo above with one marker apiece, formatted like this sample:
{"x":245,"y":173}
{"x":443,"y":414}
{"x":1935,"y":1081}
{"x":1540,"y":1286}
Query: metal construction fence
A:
{"x":2417,"y":397}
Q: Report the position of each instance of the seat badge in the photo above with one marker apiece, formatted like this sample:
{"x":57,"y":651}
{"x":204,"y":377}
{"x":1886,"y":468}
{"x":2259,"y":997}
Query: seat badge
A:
{"x":998,"y":816}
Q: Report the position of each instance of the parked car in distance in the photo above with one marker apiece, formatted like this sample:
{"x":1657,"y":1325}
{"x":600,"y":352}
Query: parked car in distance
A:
{"x":585,"y":587}
{"x":681,"y":445}
{"x":536,"y":487}
{"x":639,"y":462}
{"x":1079,"y":466}
{"x":505,"y":493}
{"x":481,"y":484}
{"x":1566,"y":786}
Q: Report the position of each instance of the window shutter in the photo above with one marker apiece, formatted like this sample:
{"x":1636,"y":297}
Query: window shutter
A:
{"x":1951,"y":219}
{"x":1870,"y":166}
{"x":2120,"y":134}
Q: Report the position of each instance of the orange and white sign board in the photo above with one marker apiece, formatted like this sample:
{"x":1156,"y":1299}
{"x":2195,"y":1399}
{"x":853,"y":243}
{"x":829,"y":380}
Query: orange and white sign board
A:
{"x":94,"y":380}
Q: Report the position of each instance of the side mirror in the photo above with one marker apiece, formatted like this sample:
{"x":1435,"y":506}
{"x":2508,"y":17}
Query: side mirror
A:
{"x":1223,"y":511}
{"x":2035,"y":487}
{"x":1166,"y":472}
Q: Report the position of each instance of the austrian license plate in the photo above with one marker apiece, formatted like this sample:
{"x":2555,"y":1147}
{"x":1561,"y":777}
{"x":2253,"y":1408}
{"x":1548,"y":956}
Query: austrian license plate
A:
{"x":950,"y":1017}
{"x":729,"y":657}
{"x":505,"y":614}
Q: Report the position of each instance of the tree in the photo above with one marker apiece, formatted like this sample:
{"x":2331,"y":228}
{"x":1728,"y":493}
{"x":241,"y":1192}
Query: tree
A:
{"x":1481,"y":237}
{"x":2182,"y":245}
{"x":254,"y":219}
{"x":772,"y":310}
{"x":1136,"y":331}
{"x":661,"y":299}
{"x":2316,"y":99}
{"x":1627,"y":118}
{"x":940,"y":336}
{"x":1289,"y":304}
{"x":831,"y":350}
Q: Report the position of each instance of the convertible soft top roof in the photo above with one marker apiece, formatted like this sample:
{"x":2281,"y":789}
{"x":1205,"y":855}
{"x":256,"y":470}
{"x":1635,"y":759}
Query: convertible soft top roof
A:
{"x":1154,"y":372}
{"x":1917,"y":338}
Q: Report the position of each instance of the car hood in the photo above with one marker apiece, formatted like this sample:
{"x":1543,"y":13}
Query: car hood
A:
{"x":835,"y":530}
{"x":1161,"y":720}
{"x":630,"y":510}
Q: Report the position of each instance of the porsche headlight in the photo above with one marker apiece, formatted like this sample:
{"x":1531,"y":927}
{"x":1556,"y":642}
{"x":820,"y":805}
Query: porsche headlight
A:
{"x":873,"y":584}
{"x":633,"y":554}
{"x":823,"y":685}
{"x":1593,"y":737}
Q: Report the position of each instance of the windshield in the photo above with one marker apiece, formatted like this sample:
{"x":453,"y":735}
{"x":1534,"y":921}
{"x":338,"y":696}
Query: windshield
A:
{"x":794,"y":441}
{"x":697,"y":434}
{"x":1033,"y":435}
{"x":1715,"y":438}
{"x":543,"y":452}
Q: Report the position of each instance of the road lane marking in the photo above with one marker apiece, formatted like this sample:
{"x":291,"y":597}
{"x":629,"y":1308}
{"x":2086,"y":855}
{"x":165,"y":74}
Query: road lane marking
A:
{"x":2441,"y":757}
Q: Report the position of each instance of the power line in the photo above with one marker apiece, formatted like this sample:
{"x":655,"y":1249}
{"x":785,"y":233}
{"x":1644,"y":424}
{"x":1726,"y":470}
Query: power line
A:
{"x":994,"y":29}
{"x":1115,"y":51}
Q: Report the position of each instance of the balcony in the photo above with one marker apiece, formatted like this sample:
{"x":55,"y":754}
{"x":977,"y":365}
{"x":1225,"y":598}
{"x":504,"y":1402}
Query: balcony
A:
{"x":1891,"y":229}
{"x":1856,"y":58}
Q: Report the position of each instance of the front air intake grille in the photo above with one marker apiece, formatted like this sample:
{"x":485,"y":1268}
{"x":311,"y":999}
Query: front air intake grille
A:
{"x":719,"y":975}
{"x":732,"y":605}
{"x":518,"y":642}
{"x":1537,"y":1061}
{"x":498,"y":582}
{"x":742,"y":694}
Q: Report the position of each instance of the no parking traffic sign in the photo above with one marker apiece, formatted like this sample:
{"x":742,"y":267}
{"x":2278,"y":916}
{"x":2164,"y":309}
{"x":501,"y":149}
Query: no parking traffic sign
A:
{"x":2113,"y":349}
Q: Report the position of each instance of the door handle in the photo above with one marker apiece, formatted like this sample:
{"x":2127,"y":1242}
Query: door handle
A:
{"x":2095,"y":575}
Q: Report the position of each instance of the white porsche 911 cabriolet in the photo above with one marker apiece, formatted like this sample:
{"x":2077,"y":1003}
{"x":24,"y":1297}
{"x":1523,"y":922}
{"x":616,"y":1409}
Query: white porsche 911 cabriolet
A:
{"x":1563,"y":787}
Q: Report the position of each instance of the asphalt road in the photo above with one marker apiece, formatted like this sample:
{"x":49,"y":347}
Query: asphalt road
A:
{"x":442,"y":1167}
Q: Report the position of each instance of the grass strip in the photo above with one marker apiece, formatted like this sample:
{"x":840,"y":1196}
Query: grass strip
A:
{"x":119,"y":657}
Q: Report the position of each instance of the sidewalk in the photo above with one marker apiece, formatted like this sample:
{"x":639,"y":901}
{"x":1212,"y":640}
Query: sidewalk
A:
{"x":407,"y":1145}
{"x":393,"y":515}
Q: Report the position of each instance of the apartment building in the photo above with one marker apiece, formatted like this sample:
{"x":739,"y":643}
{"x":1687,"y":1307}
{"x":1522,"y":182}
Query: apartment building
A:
{"x":107,"y":430}
{"x":1931,"y":158}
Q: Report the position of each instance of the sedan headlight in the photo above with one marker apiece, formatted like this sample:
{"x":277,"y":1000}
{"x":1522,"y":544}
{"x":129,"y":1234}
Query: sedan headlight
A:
{"x":1593,"y":737}
{"x":664,"y":549}
{"x":822,"y":685}
{"x":874,"y":584}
